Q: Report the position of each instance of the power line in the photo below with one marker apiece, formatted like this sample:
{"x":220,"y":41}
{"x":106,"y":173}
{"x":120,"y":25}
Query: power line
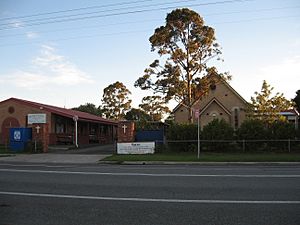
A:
{"x":143,"y":21}
{"x":75,"y":9}
{"x":125,"y":13}
{"x":96,"y":12}
{"x":139,"y":31}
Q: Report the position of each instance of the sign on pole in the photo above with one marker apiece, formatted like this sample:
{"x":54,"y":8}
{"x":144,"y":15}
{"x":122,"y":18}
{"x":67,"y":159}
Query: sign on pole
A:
{"x":197,"y":113}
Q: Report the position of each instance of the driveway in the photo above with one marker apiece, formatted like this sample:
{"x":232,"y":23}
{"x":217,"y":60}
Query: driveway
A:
{"x":88,"y":155}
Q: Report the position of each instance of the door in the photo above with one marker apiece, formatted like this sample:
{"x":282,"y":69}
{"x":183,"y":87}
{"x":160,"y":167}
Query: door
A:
{"x":6,"y":125}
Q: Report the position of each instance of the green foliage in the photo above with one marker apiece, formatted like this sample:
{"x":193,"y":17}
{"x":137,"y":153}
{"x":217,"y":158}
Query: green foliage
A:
{"x":267,"y":107}
{"x":255,"y":129}
{"x":252,"y":129}
{"x":89,"y":108}
{"x":148,"y":125}
{"x":184,"y":132}
{"x":185,"y":45}
{"x":137,"y":115}
{"x":155,"y":107}
{"x":282,"y":130}
{"x":297,"y":100}
{"x":217,"y":130}
{"x":4,"y":149}
{"x":115,"y":101}
{"x":32,"y":147}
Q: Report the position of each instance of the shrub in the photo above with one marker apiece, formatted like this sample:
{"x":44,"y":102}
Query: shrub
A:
{"x":187,"y":133}
{"x":217,"y":130}
{"x":253,"y":129}
{"x":32,"y":147}
{"x":281,"y":130}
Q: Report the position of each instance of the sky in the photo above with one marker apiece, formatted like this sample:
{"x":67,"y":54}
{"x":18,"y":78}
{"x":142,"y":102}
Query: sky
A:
{"x":64,"y":53}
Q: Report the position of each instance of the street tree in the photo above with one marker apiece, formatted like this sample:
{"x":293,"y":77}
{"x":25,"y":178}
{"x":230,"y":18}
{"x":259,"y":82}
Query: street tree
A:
{"x":297,"y":100}
{"x":89,"y":108}
{"x":267,"y":106}
{"x":115,"y":101}
{"x":155,"y":107}
{"x":137,"y":115}
{"x":185,"y":46}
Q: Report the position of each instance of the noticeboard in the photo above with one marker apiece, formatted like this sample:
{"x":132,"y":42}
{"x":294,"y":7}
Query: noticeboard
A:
{"x":136,"y":148}
{"x":36,"y":118}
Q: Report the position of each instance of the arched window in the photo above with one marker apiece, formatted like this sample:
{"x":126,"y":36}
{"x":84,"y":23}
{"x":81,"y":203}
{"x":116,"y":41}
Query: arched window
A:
{"x":236,"y":117}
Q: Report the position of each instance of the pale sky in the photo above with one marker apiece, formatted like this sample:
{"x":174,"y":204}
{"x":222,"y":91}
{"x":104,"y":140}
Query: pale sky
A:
{"x":65,"y":53}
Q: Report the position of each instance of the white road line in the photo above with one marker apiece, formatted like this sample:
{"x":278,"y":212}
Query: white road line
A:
{"x":153,"y":174}
{"x":35,"y":165}
{"x":162,"y":200}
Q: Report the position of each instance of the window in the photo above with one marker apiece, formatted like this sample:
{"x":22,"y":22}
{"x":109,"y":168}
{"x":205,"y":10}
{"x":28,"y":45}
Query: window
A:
{"x":236,"y":118}
{"x":60,"y":125}
{"x":59,"y":128}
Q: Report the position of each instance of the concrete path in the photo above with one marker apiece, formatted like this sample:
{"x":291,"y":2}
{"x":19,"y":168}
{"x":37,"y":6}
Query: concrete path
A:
{"x":88,"y":150}
{"x":54,"y":158}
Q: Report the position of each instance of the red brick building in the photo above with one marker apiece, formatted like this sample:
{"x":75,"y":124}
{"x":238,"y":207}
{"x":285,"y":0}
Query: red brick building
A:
{"x":57,"y":125}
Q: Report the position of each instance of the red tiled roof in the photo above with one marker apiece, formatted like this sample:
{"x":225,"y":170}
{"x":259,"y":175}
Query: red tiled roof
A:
{"x":82,"y":116}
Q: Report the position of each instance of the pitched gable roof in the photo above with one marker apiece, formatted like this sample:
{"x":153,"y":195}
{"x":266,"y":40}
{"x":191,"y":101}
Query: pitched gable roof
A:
{"x":218,"y":103}
{"x":227,"y":85}
{"x":82,"y":116}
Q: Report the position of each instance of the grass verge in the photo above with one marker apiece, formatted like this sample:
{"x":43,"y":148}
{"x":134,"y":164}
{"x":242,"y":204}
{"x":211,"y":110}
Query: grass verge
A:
{"x":209,"y":157}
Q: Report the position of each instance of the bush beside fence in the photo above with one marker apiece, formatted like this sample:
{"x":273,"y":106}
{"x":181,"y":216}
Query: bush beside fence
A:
{"x":218,"y":135}
{"x":283,"y":145}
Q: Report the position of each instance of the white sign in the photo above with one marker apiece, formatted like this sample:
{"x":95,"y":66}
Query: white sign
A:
{"x":36,"y":118}
{"x":136,"y":148}
{"x":17,"y":135}
{"x":197,"y":113}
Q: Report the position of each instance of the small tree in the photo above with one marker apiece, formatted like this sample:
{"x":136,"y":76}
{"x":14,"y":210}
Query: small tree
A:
{"x":267,"y":107}
{"x":115,"y":101}
{"x":89,"y":108}
{"x":155,"y":107}
{"x":187,"y":45}
{"x":297,"y":100}
{"x":137,"y":115}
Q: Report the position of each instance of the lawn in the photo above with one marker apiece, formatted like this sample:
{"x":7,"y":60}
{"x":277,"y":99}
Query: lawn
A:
{"x":210,"y":157}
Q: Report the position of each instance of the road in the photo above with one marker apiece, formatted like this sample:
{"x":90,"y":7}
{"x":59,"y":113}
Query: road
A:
{"x":115,"y":194}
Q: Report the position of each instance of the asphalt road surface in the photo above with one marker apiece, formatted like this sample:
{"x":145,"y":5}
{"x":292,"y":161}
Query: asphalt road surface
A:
{"x":112,"y":194}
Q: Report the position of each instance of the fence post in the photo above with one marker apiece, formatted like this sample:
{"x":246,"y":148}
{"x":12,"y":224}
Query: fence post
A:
{"x":289,"y":145}
{"x":244,"y":147}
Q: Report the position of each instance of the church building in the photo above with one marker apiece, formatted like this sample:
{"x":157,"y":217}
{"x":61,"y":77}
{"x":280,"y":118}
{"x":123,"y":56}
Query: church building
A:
{"x":221,"y":102}
{"x":54,"y":125}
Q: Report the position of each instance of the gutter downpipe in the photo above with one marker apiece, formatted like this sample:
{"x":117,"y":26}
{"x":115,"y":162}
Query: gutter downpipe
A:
{"x":75,"y":118}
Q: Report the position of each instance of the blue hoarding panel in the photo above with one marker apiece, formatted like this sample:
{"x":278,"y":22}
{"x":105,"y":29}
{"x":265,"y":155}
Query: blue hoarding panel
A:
{"x":19,"y":137}
{"x":150,"y":135}
{"x":17,"y":146}
{"x":20,"y":134}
